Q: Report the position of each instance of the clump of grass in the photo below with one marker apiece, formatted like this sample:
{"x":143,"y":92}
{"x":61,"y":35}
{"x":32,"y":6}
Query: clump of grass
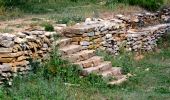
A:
{"x":6,"y":30}
{"x":49,"y":27}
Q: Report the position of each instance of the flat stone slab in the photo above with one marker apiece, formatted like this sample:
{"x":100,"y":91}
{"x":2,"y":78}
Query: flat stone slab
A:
{"x":5,"y":50}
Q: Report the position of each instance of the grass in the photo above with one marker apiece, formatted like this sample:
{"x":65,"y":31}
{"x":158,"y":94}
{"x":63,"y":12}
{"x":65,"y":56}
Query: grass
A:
{"x":68,"y":10}
{"x":59,"y":80}
{"x":6,"y":30}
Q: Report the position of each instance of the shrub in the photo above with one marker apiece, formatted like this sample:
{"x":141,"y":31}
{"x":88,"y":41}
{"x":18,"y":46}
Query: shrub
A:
{"x":12,"y":3}
{"x":49,"y":27}
{"x":147,"y":4}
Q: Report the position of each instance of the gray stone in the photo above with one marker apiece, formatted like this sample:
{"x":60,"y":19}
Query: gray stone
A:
{"x":37,"y":32}
{"x":90,"y":34}
{"x":7,"y":43}
{"x":4,"y":74}
{"x":49,"y":33}
{"x":108,"y":36}
{"x":31,"y":38}
{"x":7,"y":36}
{"x":84,"y":43}
{"x":21,"y":35}
{"x":45,"y":45}
{"x":19,"y":40}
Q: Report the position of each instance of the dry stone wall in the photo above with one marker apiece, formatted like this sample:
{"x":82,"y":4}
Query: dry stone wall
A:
{"x":17,"y":49}
{"x":122,"y":32}
{"x":131,"y":33}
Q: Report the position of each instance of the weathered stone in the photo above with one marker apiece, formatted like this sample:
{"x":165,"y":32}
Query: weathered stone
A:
{"x":5,"y":50}
{"x":45,"y":45}
{"x":19,"y":40}
{"x":21,"y":35}
{"x":31,"y":38}
{"x":7,"y":43}
{"x":20,"y":63}
{"x":21,"y":58}
{"x":37,"y":32}
{"x":108,"y":36}
{"x":76,"y":39}
{"x":6,"y":60}
{"x":48,"y":34}
{"x":90,"y":34}
{"x":5,"y":67}
{"x":7,"y":36}
{"x":84,"y":43}
{"x":70,"y":49}
{"x":11,"y":55}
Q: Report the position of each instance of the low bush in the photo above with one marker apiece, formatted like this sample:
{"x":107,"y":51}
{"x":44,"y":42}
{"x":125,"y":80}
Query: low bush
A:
{"x":49,"y":27}
{"x":151,"y":5}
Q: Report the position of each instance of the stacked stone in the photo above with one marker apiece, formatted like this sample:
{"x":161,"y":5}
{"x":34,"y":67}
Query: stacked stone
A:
{"x":113,"y":35}
{"x":145,"y":19}
{"x":17,"y":49}
{"x":133,"y":42}
{"x":146,"y":39}
{"x":91,"y":34}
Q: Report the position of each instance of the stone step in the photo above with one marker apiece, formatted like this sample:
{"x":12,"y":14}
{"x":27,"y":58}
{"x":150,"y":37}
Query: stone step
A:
{"x":80,"y":56}
{"x":70,"y":49}
{"x":115,"y":71}
{"x":62,"y":42}
{"x":120,"y":80}
{"x":97,"y":69}
{"x":91,"y":62}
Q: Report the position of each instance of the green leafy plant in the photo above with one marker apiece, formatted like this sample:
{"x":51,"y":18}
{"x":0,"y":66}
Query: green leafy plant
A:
{"x":49,"y":27}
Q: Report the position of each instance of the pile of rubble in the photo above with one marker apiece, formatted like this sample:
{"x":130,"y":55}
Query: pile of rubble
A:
{"x":17,"y":49}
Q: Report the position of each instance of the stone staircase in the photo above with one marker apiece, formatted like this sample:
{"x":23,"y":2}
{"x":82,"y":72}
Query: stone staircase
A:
{"x":89,"y":61}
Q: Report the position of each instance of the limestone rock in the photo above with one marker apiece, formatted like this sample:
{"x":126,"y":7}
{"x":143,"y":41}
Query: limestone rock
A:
{"x":19,"y":40}
{"x":21,"y":35}
{"x":5,"y":50}
{"x":6,"y":60}
{"x":84,"y":43}
{"x":7,"y":43}
{"x":108,"y":36}
{"x":31,"y":38}
{"x":7,"y":36}
{"x":11,"y":55}
{"x":5,"y":67}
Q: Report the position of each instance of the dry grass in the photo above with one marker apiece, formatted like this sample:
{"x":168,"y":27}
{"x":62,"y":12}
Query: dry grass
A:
{"x":167,"y":2}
